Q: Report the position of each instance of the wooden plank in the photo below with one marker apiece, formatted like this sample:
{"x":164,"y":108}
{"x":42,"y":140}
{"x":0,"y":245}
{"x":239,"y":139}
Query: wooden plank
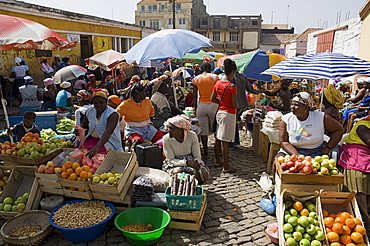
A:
{"x":78,"y":194}
{"x":255,"y":137}
{"x":265,"y":147}
{"x":74,"y":184}
{"x":50,"y":190}
{"x":274,"y":149}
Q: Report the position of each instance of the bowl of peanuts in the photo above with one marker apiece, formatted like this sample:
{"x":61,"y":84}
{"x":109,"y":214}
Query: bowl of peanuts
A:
{"x":81,"y":220}
{"x":143,"y":225}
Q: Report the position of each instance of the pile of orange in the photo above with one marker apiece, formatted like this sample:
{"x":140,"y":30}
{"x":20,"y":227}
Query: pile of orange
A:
{"x":344,"y":229}
{"x":74,"y":171}
{"x":32,"y":137}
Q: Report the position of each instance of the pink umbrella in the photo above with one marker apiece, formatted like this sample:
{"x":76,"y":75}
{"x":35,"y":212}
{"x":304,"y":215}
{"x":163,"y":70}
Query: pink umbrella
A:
{"x":106,"y":59}
{"x":22,"y":34}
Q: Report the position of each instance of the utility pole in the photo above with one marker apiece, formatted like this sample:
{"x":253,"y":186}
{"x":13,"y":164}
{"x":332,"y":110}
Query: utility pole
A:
{"x":173,"y":14}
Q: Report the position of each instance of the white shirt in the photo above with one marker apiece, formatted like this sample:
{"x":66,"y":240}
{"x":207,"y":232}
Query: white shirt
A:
{"x":20,"y":71}
{"x":78,"y":112}
{"x":307,"y":134}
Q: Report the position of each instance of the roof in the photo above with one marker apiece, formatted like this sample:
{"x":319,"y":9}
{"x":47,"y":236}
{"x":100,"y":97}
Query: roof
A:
{"x":365,"y":10}
{"x":304,"y":35}
{"x":273,"y":26}
{"x":158,"y":1}
{"x":276,"y":39}
{"x":68,"y":14}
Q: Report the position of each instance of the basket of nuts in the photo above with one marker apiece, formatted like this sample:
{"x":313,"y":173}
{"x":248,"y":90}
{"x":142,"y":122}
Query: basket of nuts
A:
{"x":81,"y":220}
{"x":29,"y":228}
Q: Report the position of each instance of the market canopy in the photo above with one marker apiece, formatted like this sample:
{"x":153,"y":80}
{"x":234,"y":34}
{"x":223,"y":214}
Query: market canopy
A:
{"x":320,"y":66}
{"x":106,"y":59}
{"x":168,"y":43}
{"x":22,"y":34}
{"x":253,"y":63}
{"x":196,"y":57}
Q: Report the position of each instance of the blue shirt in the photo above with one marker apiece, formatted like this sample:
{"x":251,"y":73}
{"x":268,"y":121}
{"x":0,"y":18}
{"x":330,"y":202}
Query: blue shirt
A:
{"x":62,"y":99}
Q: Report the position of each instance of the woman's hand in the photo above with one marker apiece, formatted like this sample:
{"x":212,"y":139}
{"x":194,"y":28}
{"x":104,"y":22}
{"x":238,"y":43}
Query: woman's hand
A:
{"x":193,"y":164}
{"x":92,"y":152}
{"x":325,"y":150}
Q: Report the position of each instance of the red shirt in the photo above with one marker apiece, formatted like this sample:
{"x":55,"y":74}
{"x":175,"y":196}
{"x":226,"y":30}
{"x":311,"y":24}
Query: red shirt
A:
{"x":224,"y":91}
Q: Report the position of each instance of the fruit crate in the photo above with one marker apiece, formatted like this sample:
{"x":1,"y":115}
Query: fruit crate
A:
{"x":302,"y":197}
{"x":22,"y":180}
{"x":335,"y":202}
{"x":77,"y":189}
{"x":115,"y":161}
{"x":10,"y":160}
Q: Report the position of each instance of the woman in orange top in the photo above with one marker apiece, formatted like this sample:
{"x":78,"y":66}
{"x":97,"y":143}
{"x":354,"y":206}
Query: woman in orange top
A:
{"x":136,"y":112}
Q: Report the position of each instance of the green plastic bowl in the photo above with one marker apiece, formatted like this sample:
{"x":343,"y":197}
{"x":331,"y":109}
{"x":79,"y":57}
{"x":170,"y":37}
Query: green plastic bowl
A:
{"x":157,"y":217}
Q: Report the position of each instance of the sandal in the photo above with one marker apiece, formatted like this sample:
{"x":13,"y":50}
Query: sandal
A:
{"x":232,"y":170}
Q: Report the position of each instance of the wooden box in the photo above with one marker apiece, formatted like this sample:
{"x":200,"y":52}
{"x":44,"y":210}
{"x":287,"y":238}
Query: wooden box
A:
{"x":22,"y":180}
{"x":10,"y":160}
{"x":116,"y":161}
{"x":335,"y":202}
{"x":188,"y":220}
{"x":77,"y":189}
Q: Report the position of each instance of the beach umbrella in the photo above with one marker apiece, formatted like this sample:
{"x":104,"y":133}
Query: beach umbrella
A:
{"x":325,"y":65}
{"x":69,"y":73}
{"x":253,"y":63}
{"x":196,"y":57}
{"x":22,"y":34}
{"x":106,"y":59}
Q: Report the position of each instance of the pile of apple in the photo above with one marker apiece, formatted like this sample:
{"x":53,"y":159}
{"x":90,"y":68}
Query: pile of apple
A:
{"x":301,"y":225}
{"x":306,"y":164}
{"x":49,"y":168}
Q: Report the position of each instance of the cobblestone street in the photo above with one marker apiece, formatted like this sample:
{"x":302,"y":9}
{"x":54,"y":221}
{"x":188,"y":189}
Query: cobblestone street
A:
{"x":233,"y":215}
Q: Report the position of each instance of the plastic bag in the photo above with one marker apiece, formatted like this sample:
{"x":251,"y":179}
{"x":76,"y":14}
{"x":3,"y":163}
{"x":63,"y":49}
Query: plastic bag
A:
{"x":268,"y":204}
{"x":265,"y":182}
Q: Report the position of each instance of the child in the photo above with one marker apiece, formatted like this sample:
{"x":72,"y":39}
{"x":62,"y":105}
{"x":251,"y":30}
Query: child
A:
{"x":27,"y":125}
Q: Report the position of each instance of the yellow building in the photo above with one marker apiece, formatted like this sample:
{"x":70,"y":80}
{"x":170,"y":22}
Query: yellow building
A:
{"x":94,"y":34}
{"x":364,"y":51}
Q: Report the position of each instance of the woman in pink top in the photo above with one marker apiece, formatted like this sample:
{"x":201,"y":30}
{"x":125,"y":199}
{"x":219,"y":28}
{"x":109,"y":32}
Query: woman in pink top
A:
{"x":224,"y":93}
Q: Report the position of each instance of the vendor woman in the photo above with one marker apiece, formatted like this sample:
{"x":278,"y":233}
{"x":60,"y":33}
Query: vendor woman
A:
{"x":302,"y":131}
{"x":182,"y":150}
{"x":102,"y":124}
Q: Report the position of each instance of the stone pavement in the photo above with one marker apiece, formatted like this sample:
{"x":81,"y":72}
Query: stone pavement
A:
{"x":233,"y":215}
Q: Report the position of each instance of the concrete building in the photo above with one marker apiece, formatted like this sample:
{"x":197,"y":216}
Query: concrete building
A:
{"x":297,"y":45}
{"x":273,"y":35}
{"x":158,"y":14}
{"x":94,"y":35}
{"x":364,"y":51}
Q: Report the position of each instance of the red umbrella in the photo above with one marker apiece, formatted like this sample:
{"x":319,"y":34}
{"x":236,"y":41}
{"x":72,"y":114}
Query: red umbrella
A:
{"x":22,"y":34}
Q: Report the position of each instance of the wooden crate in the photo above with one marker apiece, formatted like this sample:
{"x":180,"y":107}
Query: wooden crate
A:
{"x":10,"y":160}
{"x":117,"y":197}
{"x":335,"y":202}
{"x":22,"y":180}
{"x":255,"y":136}
{"x":67,"y":184}
{"x":50,"y":186}
{"x":126,"y":203}
{"x":188,"y":220}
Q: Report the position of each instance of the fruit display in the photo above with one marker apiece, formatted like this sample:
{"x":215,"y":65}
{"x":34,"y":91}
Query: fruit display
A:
{"x":9,"y":204}
{"x":49,"y":168}
{"x":308,"y":165}
{"x":301,"y":225}
{"x":344,"y":229}
{"x":65,"y":125}
{"x":4,"y":181}
{"x":47,"y":134}
{"x":110,"y":178}
{"x":81,"y":214}
{"x":74,"y":171}
{"x":93,"y":163}
{"x":25,"y":231}
{"x":138,"y":228}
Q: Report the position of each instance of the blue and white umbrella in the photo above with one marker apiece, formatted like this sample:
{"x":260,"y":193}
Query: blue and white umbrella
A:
{"x":169,"y":43}
{"x":320,"y":66}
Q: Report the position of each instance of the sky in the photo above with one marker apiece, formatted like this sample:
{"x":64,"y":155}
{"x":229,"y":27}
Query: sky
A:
{"x":300,"y":14}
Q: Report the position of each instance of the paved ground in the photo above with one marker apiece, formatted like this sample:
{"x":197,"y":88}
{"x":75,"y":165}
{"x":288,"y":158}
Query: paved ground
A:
{"x":233,"y":216}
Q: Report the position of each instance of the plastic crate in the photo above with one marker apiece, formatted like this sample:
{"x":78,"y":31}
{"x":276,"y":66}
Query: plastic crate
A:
{"x":189,"y":203}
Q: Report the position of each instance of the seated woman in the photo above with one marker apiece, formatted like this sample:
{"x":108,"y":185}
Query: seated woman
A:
{"x":333,"y":102}
{"x":102,"y":126}
{"x":29,"y":95}
{"x":64,"y":98}
{"x":136,"y":112}
{"x":302,"y":131}
{"x":355,"y":159}
{"x":160,"y":102}
{"x":49,"y":94}
{"x":182,"y":150}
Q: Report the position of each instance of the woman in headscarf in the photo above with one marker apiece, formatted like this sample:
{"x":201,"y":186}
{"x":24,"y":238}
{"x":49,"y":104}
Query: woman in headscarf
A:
{"x":114,"y":101}
{"x":160,"y":102}
{"x":64,"y":102}
{"x":182,"y":150}
{"x":302,"y":131}
{"x":101,"y":121}
{"x":136,"y":112}
{"x":49,"y":94}
{"x":30,"y":95}
{"x":83,"y":99}
{"x":333,"y":102}
{"x":46,"y":68}
{"x":355,"y":159}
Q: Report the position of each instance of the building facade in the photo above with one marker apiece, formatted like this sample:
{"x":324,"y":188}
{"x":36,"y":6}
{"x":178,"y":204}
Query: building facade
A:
{"x":364,"y":51}
{"x":298,"y":45}
{"x":158,"y":14}
{"x":273,"y":35}
{"x":93,"y":34}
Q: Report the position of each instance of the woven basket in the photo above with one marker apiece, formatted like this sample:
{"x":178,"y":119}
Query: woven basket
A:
{"x":35,"y":217}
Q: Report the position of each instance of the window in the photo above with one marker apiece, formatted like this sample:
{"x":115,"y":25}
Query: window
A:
{"x":216,"y":36}
{"x":142,"y":23}
{"x":142,"y":8}
{"x":122,"y":44}
{"x":150,"y":8}
{"x":216,"y":23}
{"x":254,"y":23}
{"x":181,"y":21}
{"x":161,"y":9}
{"x":234,"y":37}
{"x":155,"y":8}
{"x":178,"y":6}
{"x":204,"y":22}
{"x":154,"y":24}
{"x":170,"y":21}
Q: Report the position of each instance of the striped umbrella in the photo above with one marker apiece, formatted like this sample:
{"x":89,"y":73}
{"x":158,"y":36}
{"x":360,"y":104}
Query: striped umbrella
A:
{"x":320,"y":66}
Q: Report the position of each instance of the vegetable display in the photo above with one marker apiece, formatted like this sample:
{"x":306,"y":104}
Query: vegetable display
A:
{"x":65,"y":125}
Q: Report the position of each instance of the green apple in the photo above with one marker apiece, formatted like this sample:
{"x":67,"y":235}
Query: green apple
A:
{"x":318,"y":228}
{"x":316,"y":165}
{"x":286,"y":217}
{"x":288,"y":228}
{"x":96,"y":179}
{"x":300,"y":229}
{"x":1,"y":206}
{"x":307,"y":236}
{"x":297,"y":236}
{"x":303,"y":221}
{"x":318,"y":159}
{"x":293,"y":212}
{"x":287,"y":235}
{"x":111,"y":180}
{"x":325,"y":157}
{"x":311,"y":207}
{"x":330,"y":167}
{"x":332,"y":162}
{"x":21,"y":207}
{"x":311,"y":221}
{"x":7,"y":207}
{"x":26,"y":195}
{"x":315,"y":222}
{"x":313,"y":215}
{"x":14,"y":208}
{"x":304,"y":242}
{"x":316,"y":243}
{"x":291,"y":242}
{"x":325,"y":163}
{"x":8,"y":200}
{"x":311,"y":229}
{"x":293,"y":221}
{"x":334,"y":172}
{"x":320,"y":236}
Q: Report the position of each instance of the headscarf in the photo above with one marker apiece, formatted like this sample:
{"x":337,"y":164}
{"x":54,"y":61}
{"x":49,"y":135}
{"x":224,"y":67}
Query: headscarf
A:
{"x":115,"y":99}
{"x":83,"y":95}
{"x":48,"y":81}
{"x":101,"y":93}
{"x":334,"y":97}
{"x":17,"y":60}
{"x":179,"y":121}
{"x":28,"y":80}
{"x":65,"y":85}
{"x":305,"y":99}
